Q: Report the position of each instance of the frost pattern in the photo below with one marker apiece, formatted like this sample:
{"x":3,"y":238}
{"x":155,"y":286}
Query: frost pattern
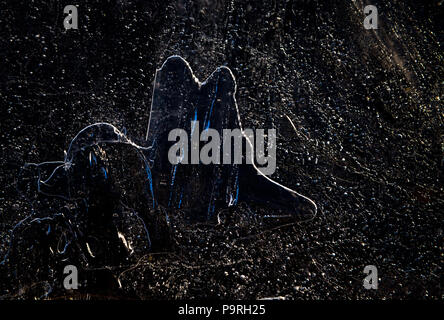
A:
{"x":109,"y":192}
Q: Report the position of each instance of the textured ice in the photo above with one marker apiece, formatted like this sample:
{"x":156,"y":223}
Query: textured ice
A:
{"x":178,"y":99}
{"x":121,"y":194}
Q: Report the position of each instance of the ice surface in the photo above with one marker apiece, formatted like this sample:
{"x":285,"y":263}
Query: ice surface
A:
{"x":121,"y":194}
{"x":179,"y":98}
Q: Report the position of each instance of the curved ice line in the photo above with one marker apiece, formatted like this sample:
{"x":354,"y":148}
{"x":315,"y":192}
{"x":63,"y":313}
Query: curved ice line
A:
{"x":238,"y":118}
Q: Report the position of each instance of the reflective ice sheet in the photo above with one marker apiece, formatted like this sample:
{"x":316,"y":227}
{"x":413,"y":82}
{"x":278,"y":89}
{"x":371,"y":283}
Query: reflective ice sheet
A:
{"x":115,"y":193}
